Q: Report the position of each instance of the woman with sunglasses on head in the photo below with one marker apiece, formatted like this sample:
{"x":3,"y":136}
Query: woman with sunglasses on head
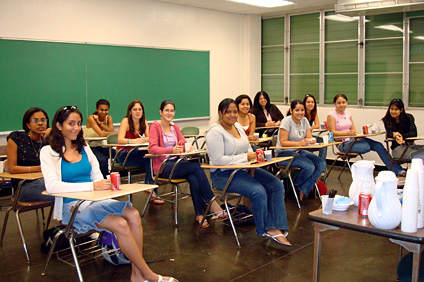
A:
{"x":135,"y":130}
{"x":23,"y":150}
{"x":267,"y":114}
{"x":340,"y":122}
{"x":165,"y":137}
{"x":400,"y":125}
{"x":69,"y":165}
{"x":227,"y":145}
{"x":296,"y":131}
{"x":311,"y":115}
{"x":100,"y":123}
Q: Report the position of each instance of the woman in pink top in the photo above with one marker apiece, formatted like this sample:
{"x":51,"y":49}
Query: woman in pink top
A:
{"x":341,"y":124}
{"x":164,"y":139}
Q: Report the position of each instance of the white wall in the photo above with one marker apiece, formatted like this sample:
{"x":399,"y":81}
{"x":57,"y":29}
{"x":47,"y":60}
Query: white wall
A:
{"x":233,"y":40}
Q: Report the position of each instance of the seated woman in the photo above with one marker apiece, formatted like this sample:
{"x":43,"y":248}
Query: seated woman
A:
{"x":164,"y":139}
{"x":400,"y":125}
{"x":68,"y":165}
{"x":228,"y":144}
{"x":23,"y":150}
{"x":312,"y":117}
{"x":135,"y":130}
{"x":100,"y":123}
{"x":267,"y":114}
{"x":246,"y":119}
{"x":340,"y":122}
{"x":295,"y":131}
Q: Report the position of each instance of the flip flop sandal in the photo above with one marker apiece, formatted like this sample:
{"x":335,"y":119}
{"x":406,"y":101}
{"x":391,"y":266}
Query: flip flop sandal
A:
{"x":274,"y":237}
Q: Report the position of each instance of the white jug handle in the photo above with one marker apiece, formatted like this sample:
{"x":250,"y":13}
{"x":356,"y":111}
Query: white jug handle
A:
{"x":378,"y":199}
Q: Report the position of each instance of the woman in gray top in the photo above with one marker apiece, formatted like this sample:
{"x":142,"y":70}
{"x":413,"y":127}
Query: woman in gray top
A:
{"x":227,"y":144}
{"x":295,"y":131}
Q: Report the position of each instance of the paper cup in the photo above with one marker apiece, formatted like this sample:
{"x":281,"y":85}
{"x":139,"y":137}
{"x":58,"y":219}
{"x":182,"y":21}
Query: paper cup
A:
{"x":327,"y":205}
{"x":256,"y":134}
{"x":268,"y":155}
{"x":187,"y":147}
{"x":325,"y":139}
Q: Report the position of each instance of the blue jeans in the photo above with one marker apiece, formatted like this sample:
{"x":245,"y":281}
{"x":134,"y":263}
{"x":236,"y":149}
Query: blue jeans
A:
{"x":137,"y":159}
{"x":311,"y":167}
{"x":102,"y":155}
{"x":31,"y":191}
{"x":266,"y":195}
{"x":364,"y":145}
{"x":322,"y":153}
{"x":200,"y":188}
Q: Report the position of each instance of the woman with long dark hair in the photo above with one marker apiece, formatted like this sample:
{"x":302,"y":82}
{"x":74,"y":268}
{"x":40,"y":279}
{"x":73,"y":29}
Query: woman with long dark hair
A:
{"x":311,"y":114}
{"x":69,"y":165}
{"x":267,"y":114}
{"x":400,"y":125}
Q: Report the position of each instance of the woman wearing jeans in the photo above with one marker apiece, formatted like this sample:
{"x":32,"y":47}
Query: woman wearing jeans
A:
{"x":341,"y":124}
{"x":228,"y":144}
{"x":296,"y":131}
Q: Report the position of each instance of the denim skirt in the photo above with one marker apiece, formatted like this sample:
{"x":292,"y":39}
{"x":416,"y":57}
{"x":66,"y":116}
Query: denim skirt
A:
{"x":96,"y":212}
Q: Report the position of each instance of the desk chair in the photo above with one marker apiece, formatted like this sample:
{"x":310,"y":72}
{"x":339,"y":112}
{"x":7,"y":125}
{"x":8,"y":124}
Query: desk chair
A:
{"x":115,"y":165}
{"x":399,"y":160}
{"x":171,"y":197}
{"x":225,"y":196}
{"x":192,"y":130}
{"x":19,"y":207}
{"x":346,"y":157}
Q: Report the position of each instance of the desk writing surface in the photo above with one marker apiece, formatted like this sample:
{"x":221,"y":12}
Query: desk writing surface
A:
{"x":361,"y":135}
{"x":194,"y":152}
{"x":26,"y":176}
{"x":128,"y":145}
{"x":94,"y":138}
{"x":99,"y":195}
{"x":351,"y":220}
{"x":314,"y":146}
{"x":267,"y":127}
{"x":248,"y":165}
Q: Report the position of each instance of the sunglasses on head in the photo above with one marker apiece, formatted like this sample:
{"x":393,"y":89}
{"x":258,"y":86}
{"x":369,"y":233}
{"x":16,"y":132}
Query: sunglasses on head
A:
{"x":67,"y":108}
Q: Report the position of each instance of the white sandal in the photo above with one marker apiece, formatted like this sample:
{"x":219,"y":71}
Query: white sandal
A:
{"x":172,"y":279}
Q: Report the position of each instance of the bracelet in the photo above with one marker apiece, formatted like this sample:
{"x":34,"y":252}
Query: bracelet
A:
{"x":128,"y":141}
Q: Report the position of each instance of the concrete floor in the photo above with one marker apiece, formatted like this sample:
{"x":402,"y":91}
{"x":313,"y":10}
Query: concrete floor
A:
{"x":214,"y":255}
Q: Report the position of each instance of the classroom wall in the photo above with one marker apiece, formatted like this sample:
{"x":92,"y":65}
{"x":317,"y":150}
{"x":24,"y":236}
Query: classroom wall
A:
{"x":233,"y":40}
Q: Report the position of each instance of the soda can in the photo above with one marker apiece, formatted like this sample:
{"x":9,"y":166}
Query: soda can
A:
{"x":260,"y":156}
{"x":364,"y":204}
{"x":325,"y":124}
{"x":365,"y":129}
{"x":330,"y":137}
{"x":115,"y":179}
{"x":181,"y":143}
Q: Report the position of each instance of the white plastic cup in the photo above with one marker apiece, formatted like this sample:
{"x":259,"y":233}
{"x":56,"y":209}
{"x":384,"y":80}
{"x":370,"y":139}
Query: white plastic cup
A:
{"x":187,"y":147}
{"x":325,"y":139}
{"x":268,"y":155}
{"x":256,"y":134}
{"x":327,"y":205}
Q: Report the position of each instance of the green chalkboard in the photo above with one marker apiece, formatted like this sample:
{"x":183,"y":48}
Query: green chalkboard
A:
{"x":50,"y":75}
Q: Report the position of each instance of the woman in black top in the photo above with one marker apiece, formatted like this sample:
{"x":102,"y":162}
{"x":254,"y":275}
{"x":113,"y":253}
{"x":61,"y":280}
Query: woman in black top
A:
{"x":267,"y":114}
{"x":400,"y":125}
{"x":23,"y":150}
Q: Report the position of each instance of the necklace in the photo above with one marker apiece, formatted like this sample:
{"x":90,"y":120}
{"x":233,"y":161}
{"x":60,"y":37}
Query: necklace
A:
{"x":37,"y":152}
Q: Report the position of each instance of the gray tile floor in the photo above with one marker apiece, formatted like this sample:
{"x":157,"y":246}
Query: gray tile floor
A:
{"x":214,"y":255}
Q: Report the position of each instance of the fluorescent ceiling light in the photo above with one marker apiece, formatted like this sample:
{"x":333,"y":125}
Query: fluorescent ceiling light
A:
{"x":390,"y":27}
{"x":264,"y":3}
{"x":341,"y":18}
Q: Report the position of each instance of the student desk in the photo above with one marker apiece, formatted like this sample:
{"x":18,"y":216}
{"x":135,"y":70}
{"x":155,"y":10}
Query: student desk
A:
{"x":21,"y":176}
{"x":413,"y":242}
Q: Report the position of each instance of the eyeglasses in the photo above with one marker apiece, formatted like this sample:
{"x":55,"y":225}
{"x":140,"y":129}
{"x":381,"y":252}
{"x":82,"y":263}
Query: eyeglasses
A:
{"x":168,"y":111}
{"x":67,"y":108}
{"x":36,"y":120}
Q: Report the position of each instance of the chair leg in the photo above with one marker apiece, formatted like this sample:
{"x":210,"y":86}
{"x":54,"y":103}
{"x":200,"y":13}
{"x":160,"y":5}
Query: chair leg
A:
{"x":231,"y":221}
{"x":206,"y":213}
{"x":294,"y":190}
{"x":176,"y":204}
{"x":331,"y":168}
{"x":3,"y":230}
{"x":49,"y":218}
{"x":316,"y":189}
{"x":49,"y":256}
{"x":74,"y":254}
{"x":147,"y":203}
{"x":344,"y":166}
{"x":18,"y":220}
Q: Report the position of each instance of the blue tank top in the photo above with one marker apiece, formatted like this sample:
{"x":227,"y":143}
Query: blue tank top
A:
{"x":76,"y":172}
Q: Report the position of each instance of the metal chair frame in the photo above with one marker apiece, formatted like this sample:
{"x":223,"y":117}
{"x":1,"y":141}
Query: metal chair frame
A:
{"x":399,"y":160}
{"x":19,"y":207}
{"x":345,"y":156}
{"x":171,"y":197}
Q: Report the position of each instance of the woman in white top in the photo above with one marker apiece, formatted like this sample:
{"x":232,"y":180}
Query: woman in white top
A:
{"x":245,"y":118}
{"x":68,"y":165}
{"x":295,"y":131}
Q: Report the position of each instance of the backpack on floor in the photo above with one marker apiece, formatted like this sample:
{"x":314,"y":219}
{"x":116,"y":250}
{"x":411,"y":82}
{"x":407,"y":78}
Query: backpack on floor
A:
{"x":242,"y":215}
{"x":49,"y":234}
{"x":110,"y":249}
